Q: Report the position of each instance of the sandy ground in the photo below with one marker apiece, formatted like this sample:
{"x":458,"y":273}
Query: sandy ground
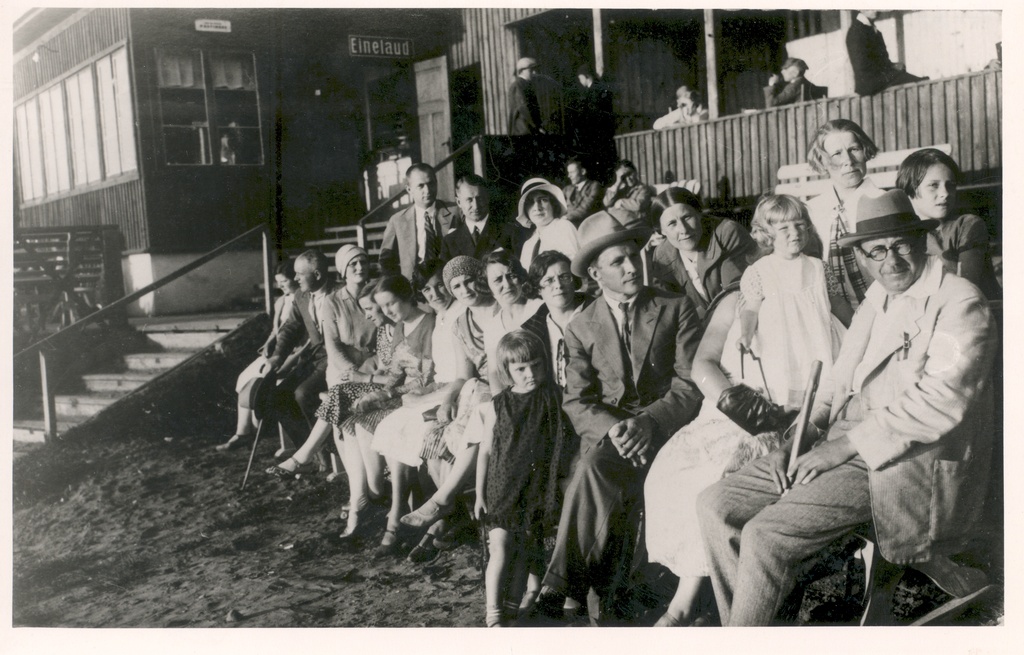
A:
{"x":151,"y":530}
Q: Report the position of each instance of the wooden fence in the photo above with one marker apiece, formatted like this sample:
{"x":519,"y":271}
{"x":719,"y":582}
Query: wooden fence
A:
{"x":736,"y":158}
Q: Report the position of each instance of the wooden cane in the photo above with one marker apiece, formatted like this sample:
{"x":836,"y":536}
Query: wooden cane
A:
{"x":256,"y":440}
{"x":804,"y":417}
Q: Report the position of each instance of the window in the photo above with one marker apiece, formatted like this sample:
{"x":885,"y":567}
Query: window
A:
{"x":30,"y":154}
{"x":85,"y":148}
{"x":186,"y":126}
{"x":116,"y":113}
{"x":237,"y":108}
{"x":79,"y":131}
{"x":55,"y":141}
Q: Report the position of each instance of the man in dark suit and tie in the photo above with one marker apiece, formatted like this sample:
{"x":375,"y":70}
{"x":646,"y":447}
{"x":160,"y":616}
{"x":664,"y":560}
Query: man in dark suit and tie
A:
{"x":628,"y":389}
{"x":872,"y":69}
{"x":582,"y":195}
{"x":478,"y":233}
{"x":415,"y":234}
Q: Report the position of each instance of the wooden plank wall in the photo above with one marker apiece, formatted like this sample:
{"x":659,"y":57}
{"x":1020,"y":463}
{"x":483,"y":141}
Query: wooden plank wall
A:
{"x":748,"y":149}
{"x":94,"y":31}
{"x":487,"y":41}
{"x":118,"y":204}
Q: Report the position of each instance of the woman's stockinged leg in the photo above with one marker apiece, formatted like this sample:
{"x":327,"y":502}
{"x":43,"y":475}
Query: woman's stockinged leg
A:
{"x":317,"y":436}
{"x":372,"y":460}
{"x":352,"y":460}
{"x":682,"y":609}
{"x":458,"y":477}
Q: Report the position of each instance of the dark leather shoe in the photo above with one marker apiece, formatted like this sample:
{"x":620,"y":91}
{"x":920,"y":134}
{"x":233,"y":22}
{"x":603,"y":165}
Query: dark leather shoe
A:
{"x":549,"y":603}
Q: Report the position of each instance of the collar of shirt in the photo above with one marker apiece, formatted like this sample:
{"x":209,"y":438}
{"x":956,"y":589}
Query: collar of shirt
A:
{"x":925,"y":286}
{"x":616,"y":312}
{"x":409,"y":326}
{"x":479,"y":225}
{"x":582,"y":184}
{"x":421,"y":212}
{"x":864,"y":19}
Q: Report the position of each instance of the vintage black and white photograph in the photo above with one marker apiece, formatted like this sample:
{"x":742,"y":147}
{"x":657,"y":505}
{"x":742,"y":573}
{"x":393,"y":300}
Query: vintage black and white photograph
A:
{"x":417,"y":317}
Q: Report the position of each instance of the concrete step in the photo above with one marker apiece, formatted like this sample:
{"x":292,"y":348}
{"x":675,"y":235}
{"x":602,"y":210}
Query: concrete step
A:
{"x":184,"y":340}
{"x":77,"y":407}
{"x":155,"y":361}
{"x":32,"y":431}
{"x":117,"y":382}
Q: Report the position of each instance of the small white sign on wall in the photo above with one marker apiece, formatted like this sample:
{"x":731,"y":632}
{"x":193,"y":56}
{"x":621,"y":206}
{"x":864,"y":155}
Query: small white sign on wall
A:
{"x":212,"y":25}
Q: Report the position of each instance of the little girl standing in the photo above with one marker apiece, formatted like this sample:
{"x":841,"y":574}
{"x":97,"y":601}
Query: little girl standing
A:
{"x":518,"y":468}
{"x":792,"y":311}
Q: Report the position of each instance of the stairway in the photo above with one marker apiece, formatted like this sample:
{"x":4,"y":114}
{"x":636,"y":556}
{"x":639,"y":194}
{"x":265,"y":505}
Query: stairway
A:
{"x":163,"y":343}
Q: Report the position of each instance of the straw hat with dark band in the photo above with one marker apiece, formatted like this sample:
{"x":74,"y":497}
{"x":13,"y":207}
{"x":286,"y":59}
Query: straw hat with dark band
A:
{"x":535,"y":184}
{"x":888,"y":215}
{"x":600,"y":231}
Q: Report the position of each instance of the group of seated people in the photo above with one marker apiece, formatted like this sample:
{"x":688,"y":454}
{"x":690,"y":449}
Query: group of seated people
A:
{"x":653,"y":358}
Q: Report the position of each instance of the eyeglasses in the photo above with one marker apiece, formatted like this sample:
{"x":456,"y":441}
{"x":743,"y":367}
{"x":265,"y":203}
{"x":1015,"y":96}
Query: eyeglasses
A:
{"x":565,"y":279}
{"x":879,"y":253}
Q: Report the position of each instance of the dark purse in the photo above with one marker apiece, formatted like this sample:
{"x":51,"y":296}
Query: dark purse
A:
{"x":752,"y":412}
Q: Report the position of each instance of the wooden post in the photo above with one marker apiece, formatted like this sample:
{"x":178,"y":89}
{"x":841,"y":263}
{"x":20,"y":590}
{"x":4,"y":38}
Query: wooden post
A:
{"x":901,"y":41}
{"x":711,"y":54}
{"x":478,"y":156}
{"x":49,"y":401}
{"x":268,"y":277}
{"x":598,"y":43}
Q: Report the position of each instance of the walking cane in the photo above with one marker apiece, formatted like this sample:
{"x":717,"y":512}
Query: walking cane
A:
{"x":804,"y":417}
{"x":260,"y":401}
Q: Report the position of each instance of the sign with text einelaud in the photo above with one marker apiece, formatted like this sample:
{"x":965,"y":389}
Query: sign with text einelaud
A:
{"x":379,"y":46}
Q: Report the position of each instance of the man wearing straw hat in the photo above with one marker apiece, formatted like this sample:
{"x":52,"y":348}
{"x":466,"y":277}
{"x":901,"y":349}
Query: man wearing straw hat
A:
{"x":628,"y":389}
{"x":908,"y":434}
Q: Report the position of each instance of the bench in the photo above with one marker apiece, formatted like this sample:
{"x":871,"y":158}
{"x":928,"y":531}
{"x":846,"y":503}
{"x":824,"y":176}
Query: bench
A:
{"x":803,"y":182}
{"x":63,"y":274}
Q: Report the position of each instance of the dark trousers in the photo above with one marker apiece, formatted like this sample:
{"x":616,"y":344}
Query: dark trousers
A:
{"x":298,"y":398}
{"x":597,"y":528}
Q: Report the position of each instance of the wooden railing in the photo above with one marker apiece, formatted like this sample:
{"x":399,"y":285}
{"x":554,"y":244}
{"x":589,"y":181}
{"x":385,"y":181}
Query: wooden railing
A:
{"x":52,"y":345}
{"x":736,"y":158}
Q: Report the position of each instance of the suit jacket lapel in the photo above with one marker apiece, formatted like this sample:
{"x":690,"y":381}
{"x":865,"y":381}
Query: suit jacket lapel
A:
{"x":606,"y":336}
{"x":891,"y":339}
{"x":647,"y":312}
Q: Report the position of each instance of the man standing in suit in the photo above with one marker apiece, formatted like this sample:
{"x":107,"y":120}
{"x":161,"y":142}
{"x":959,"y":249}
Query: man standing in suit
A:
{"x":523,"y":108}
{"x":478,"y":233}
{"x":909,"y":434}
{"x":582,"y":195}
{"x":872,"y":69}
{"x":298,"y":395}
{"x":415,"y":234}
{"x":628,"y":389}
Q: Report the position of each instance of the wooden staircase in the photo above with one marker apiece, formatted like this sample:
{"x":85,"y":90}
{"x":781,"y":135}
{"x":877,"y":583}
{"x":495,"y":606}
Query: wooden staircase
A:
{"x":160,"y":344}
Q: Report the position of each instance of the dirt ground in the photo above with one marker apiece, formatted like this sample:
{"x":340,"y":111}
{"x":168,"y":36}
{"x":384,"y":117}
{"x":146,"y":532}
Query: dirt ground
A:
{"x":151,"y":531}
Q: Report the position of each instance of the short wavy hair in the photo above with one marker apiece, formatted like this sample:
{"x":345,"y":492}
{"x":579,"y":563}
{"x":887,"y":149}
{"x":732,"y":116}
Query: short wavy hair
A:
{"x":916,"y":165}
{"x":540,"y":265}
{"x":398,"y":285}
{"x":507,"y":258}
{"x":816,"y":155}
{"x":773,"y":209}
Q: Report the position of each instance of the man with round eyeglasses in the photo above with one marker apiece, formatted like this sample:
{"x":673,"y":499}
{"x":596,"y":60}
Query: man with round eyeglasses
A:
{"x":904,"y":441}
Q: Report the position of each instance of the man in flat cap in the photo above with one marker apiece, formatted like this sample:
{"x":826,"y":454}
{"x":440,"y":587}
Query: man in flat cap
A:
{"x":907,"y":435}
{"x":628,"y":389}
{"x":523,"y":109}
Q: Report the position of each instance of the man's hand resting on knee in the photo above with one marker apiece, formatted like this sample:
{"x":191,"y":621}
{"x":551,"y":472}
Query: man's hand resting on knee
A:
{"x":633,"y":437}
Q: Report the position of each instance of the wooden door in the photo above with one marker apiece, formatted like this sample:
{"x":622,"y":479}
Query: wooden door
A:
{"x":434,"y":110}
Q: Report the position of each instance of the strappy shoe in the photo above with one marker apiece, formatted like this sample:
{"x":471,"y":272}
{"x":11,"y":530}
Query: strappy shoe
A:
{"x":428,"y":513}
{"x":389,"y":545}
{"x":282,"y":473}
{"x":233,"y":442}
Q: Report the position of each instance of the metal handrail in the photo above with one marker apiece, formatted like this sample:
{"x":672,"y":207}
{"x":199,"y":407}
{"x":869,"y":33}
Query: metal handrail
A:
{"x":135,"y":295}
{"x":439,"y":165}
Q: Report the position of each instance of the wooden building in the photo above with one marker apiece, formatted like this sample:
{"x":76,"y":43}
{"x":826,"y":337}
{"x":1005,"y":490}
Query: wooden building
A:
{"x":185,"y":127}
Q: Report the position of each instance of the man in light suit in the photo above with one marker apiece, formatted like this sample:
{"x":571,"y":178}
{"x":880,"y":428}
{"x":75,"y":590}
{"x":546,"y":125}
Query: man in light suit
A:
{"x":583,"y":195}
{"x":478,"y":233}
{"x":414,"y":235}
{"x":628,"y":389}
{"x":909,"y":434}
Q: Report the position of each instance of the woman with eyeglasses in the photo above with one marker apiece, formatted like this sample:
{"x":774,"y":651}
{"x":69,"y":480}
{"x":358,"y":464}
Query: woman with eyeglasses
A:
{"x":841,"y":150}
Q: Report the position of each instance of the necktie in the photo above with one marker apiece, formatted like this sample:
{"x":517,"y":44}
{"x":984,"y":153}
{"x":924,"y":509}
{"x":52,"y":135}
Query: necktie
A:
{"x":429,"y":234}
{"x":313,"y":314}
{"x":627,"y":329}
{"x":476,"y":235}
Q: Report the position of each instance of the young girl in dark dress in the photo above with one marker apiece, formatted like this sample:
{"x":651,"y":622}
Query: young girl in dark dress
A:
{"x":518,"y":468}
